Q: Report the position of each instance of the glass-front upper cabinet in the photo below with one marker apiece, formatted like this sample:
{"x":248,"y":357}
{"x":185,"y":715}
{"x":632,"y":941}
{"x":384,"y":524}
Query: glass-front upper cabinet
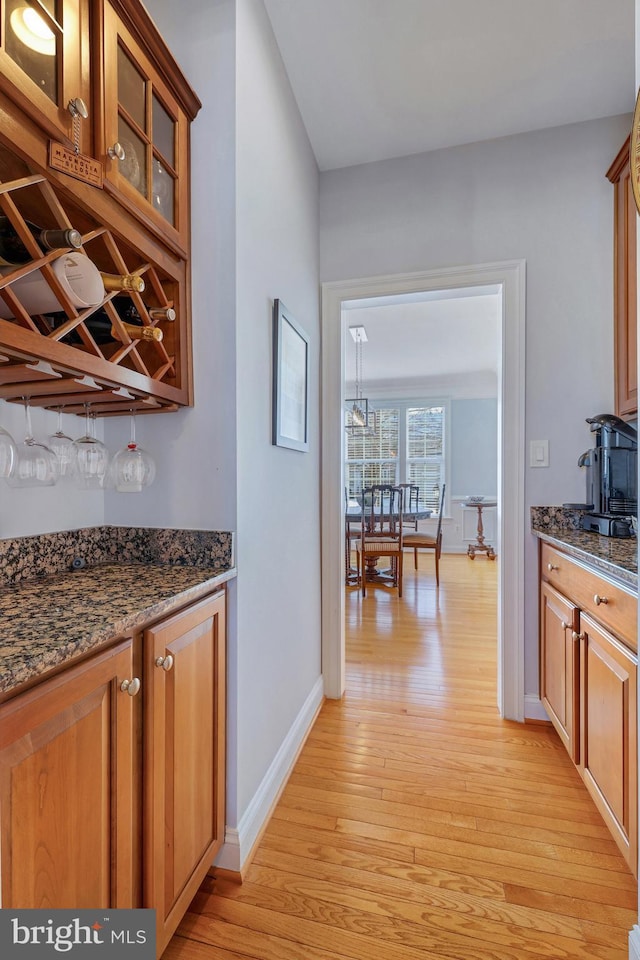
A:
{"x":146,"y":136}
{"x":44,"y":63}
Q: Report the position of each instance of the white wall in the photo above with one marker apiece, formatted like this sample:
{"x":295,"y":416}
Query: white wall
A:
{"x":27,"y":512}
{"x":254,"y":238}
{"x":541,"y":196}
{"x":278,"y":489}
{"x":474,"y":448}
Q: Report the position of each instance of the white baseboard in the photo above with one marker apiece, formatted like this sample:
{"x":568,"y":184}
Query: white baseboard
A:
{"x":634,"y":943}
{"x":239,"y":842}
{"x":533,"y":710}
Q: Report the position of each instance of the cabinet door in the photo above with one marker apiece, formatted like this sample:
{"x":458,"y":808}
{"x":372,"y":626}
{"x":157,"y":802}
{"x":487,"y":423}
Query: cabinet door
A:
{"x":609,"y":738}
{"x":146,"y":121}
{"x":66,"y":789}
{"x":184,"y":757}
{"x":559,"y":666}
{"x":44,"y":62}
{"x":625,"y":271}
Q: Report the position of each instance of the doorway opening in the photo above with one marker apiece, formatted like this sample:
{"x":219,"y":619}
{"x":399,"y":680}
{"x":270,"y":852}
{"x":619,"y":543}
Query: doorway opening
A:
{"x":508,"y":278}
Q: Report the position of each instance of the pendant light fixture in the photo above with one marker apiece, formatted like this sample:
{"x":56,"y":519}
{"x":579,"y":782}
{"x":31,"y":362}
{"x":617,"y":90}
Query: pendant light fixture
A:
{"x":358,"y":407}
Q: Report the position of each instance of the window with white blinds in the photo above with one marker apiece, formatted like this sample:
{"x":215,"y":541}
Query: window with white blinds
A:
{"x":425,"y":452}
{"x":405,"y":443}
{"x":372,"y":453}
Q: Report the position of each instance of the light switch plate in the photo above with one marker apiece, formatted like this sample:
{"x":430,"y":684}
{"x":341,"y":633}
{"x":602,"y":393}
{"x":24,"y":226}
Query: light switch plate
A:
{"x":539,"y":453}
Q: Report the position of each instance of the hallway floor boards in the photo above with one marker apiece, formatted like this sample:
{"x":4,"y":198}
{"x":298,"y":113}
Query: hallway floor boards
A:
{"x":416,"y":824}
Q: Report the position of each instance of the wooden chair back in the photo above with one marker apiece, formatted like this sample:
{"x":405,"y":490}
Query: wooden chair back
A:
{"x":410,"y":500}
{"x":382,"y":510}
{"x":439,"y":527}
{"x":381,"y":533}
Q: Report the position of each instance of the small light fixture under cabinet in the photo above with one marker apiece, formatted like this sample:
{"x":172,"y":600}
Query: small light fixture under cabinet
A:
{"x":32,"y":30}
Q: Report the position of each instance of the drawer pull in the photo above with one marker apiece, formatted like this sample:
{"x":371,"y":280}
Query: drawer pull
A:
{"x":565,"y":626}
{"x":577,"y":636}
{"x":551,"y":567}
{"x":131,"y":686}
{"x":598,"y":600}
{"x":165,"y":662}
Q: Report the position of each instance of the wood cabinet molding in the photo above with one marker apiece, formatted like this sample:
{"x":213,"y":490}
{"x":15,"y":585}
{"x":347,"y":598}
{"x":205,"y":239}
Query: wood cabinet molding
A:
{"x":136,"y":18}
{"x":625,"y":286}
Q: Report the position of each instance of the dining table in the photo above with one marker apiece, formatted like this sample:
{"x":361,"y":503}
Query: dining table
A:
{"x":353,"y":514}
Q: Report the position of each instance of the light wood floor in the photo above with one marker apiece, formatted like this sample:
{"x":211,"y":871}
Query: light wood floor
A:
{"x":418,"y":825}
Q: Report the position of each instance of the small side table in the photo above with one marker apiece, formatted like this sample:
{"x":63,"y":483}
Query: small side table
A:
{"x":480,"y":546}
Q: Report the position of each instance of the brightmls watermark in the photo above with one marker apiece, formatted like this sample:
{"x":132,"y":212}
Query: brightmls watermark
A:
{"x":78,"y":934}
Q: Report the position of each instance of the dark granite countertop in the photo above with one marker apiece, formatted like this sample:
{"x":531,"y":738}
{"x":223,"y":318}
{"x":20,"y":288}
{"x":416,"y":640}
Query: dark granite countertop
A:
{"x":51,"y":620}
{"x":617,"y":557}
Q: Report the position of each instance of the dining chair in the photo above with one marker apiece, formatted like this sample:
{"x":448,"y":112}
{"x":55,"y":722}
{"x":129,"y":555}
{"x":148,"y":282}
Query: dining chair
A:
{"x":410,"y":498}
{"x":381,"y":535}
{"x":352,"y":529}
{"x":426,"y":541}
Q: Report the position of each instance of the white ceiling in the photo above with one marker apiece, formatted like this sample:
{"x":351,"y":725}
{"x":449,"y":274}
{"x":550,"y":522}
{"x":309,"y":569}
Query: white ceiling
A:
{"x":385,"y":78}
{"x":426,"y":337}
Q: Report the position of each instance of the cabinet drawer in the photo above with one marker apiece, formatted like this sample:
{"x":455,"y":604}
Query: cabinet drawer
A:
{"x":616,"y":610}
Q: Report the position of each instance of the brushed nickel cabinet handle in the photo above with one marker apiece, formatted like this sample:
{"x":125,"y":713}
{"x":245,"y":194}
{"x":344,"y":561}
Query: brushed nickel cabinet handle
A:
{"x":552,"y":566}
{"x":116,"y":152}
{"x":165,"y":662}
{"x":598,"y":600}
{"x":132,"y":687}
{"x":565,"y":626}
{"x":78,"y":108}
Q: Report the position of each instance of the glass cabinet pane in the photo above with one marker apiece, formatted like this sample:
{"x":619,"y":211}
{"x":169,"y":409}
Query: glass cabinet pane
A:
{"x":163,"y":132}
{"x":131,"y":89}
{"x":34,"y":43}
{"x":134,"y":165}
{"x":163,"y":191}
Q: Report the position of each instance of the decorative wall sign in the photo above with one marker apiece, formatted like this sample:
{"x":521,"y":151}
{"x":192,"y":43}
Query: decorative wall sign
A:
{"x":290,"y":412}
{"x":634,"y":154}
{"x":75,"y":164}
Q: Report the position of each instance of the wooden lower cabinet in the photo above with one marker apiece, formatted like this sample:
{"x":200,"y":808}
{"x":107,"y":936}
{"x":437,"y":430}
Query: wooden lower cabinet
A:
{"x":609,"y":751}
{"x":110,"y":797}
{"x":588,"y":677}
{"x":66,"y":776}
{"x":559,"y":659}
{"x":184,"y":751}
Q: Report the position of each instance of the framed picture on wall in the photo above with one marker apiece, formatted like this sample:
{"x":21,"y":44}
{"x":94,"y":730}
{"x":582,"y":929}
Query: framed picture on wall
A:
{"x":290,"y":409}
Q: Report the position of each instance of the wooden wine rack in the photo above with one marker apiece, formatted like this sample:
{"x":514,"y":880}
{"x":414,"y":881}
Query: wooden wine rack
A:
{"x":145,"y":376}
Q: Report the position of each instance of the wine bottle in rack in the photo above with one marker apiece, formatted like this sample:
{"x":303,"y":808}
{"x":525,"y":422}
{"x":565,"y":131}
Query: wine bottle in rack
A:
{"x":127,"y":311}
{"x":78,"y":277}
{"x":13,"y":252}
{"x":127,"y":281}
{"x":103,"y":330}
{"x":162,"y":313}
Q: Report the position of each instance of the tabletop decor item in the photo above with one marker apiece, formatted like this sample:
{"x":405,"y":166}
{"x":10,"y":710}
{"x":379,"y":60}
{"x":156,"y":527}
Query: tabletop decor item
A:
{"x":290,"y":409}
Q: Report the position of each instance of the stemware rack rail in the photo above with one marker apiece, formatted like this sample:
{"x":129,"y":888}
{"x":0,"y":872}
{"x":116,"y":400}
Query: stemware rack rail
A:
{"x":121,"y":376}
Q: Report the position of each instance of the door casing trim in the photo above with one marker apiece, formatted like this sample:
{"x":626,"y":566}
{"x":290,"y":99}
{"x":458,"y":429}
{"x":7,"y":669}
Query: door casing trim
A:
{"x":510,"y":275}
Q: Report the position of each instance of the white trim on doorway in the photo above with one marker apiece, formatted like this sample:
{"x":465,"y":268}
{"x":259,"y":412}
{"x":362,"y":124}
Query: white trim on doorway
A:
{"x":510,"y":277}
